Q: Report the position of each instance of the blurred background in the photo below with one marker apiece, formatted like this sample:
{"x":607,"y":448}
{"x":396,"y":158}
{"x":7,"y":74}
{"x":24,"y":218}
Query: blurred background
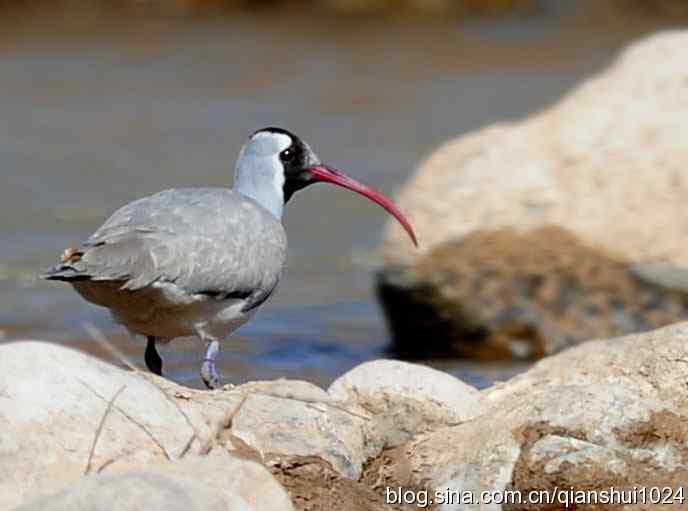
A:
{"x":107,"y":101}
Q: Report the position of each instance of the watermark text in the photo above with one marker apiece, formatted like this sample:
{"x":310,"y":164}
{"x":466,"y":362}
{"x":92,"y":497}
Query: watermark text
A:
{"x":566,"y":497}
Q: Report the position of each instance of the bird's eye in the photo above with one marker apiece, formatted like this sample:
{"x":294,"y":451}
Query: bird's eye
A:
{"x":287,"y":155}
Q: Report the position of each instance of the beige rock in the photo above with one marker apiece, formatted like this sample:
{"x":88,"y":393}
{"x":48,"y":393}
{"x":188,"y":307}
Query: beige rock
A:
{"x":54,"y":399}
{"x":607,"y":413}
{"x":217,"y":481}
{"x":279,"y":428}
{"x":375,"y":405}
{"x":135,"y":490}
{"x":394,"y":379}
{"x":607,"y":163}
{"x":605,"y":167}
{"x":403,"y":400}
{"x":234,"y":477}
{"x":54,"y":402}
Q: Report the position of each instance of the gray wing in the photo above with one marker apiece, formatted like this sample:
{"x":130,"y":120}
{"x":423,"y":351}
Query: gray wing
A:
{"x":205,"y":240}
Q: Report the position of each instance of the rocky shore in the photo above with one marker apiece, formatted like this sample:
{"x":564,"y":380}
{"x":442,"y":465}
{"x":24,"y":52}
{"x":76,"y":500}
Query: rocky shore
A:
{"x":80,"y":434}
{"x":540,"y":234}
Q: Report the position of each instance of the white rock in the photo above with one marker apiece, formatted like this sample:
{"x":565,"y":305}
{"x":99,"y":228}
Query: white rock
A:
{"x":283,"y":427}
{"x":607,"y":163}
{"x":393,"y":380}
{"x":135,"y":490}
{"x":53,"y":399}
{"x":403,"y":400}
{"x":217,"y":481}
{"x":606,"y":413}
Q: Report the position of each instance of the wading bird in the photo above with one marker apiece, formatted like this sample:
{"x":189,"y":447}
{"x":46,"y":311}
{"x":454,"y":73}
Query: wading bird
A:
{"x":200,"y":261}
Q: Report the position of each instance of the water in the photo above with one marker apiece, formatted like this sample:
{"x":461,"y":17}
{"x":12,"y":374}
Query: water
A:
{"x":97,"y":114}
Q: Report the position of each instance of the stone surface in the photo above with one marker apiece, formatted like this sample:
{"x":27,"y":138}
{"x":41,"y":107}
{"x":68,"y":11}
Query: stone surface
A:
{"x":279,"y":428}
{"x":403,"y":400}
{"x":74,"y":425}
{"x":217,"y":481}
{"x":53,"y":400}
{"x":135,"y":490}
{"x":393,"y":380}
{"x":606,"y":164}
{"x":606,"y":413}
{"x":502,"y":294}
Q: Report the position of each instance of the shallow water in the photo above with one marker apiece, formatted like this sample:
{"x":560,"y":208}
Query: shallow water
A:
{"x":98,"y":114}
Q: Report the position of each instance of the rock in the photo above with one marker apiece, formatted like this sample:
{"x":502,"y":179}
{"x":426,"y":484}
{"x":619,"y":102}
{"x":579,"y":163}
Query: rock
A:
{"x":606,"y":413}
{"x":280,"y":428}
{"x":502,"y":294}
{"x":605,"y":165}
{"x":54,"y":401}
{"x":379,"y":382}
{"x":134,"y":490}
{"x":374,"y":406}
{"x":236,"y":479}
{"x":403,"y":400}
{"x":218,"y":481}
{"x":77,"y":430}
{"x":397,"y":400}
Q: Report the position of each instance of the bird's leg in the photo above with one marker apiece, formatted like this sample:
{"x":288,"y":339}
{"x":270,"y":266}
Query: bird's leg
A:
{"x":153,"y":360}
{"x":209,"y":369}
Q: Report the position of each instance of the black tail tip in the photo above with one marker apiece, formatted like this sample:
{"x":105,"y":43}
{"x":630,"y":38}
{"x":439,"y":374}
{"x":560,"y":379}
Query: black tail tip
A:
{"x":64,"y":274}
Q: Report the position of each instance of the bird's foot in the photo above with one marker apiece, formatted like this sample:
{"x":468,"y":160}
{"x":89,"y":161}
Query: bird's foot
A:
{"x":209,"y":374}
{"x":209,"y":370}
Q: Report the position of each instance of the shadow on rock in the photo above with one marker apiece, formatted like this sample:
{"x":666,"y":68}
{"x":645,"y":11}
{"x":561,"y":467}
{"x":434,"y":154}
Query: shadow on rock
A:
{"x":502,"y":294}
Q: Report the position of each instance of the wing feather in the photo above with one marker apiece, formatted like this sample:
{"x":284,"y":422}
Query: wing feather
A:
{"x":207,"y":241}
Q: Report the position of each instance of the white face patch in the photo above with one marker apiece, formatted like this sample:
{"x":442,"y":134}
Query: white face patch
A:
{"x":259,"y":172}
{"x":270,"y":144}
{"x":278,"y":179}
{"x":266,"y":143}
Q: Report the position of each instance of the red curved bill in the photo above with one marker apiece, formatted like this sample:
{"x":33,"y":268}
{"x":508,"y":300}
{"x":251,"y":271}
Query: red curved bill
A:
{"x":327,"y":174}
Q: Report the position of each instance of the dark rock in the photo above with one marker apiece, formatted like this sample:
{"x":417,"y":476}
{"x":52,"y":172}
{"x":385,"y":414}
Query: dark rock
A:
{"x":502,"y":294}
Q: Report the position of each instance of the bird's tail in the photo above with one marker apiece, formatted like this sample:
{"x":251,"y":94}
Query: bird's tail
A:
{"x":69,"y":269}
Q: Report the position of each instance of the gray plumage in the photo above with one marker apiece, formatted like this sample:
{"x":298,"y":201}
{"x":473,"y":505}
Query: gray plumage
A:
{"x":203,"y":240}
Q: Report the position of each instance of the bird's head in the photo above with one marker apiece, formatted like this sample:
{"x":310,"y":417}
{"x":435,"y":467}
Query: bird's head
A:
{"x":274,"y":164}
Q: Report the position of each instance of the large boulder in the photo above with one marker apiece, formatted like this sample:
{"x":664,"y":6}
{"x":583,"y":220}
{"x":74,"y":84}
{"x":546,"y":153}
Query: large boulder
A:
{"x":605,"y":166}
{"x":610,"y":413}
{"x":52,"y":401}
{"x":66,"y":414}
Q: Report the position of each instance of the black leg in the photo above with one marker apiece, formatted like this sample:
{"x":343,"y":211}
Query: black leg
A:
{"x":153,"y":360}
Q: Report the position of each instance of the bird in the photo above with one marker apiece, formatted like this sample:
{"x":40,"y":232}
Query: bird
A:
{"x":201,"y":261}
